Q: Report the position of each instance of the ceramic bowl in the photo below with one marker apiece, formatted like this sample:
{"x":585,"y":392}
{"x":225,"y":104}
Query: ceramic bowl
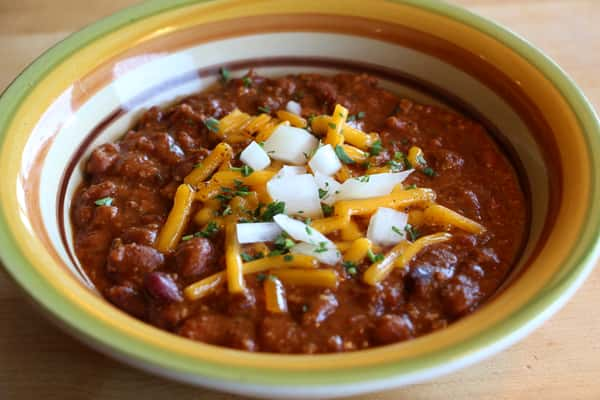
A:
{"x":89,"y":88}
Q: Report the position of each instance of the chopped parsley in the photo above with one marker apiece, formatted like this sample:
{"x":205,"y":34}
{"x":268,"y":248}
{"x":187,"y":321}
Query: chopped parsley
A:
{"x":429,"y":171}
{"x":363,"y":179}
{"x":395,"y":166}
{"x":212,"y":124}
{"x":227,"y":211}
{"x":208,"y":231}
{"x":322,"y":193}
{"x":339,"y":151}
{"x":421,"y":159}
{"x":351,"y":118}
{"x":275,"y":252}
{"x":376,"y":148}
{"x":247,"y":81}
{"x":288,"y":257}
{"x":261,"y":276}
{"x":332,"y":125}
{"x":411,"y":187}
{"x":412,"y":232}
{"x":310,"y":119}
{"x":105,"y":201}
{"x":246,"y":257}
{"x":374,"y":257}
{"x":245,"y":170}
{"x":187,"y":237}
{"x":350,"y":267}
{"x":198,"y":165}
{"x":225,"y":74}
{"x":397,"y":230}
{"x":282,"y":242}
{"x":327,"y":210}
{"x":308,"y":230}
{"x":361,"y":114}
{"x":274,"y":208}
{"x":322,"y":247}
{"x":265,"y":109}
{"x":400,"y":156}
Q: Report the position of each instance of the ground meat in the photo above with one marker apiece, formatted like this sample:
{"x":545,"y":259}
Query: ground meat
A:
{"x":280,"y":334}
{"x":393,"y":328}
{"x":103,"y":158}
{"x":460,"y":294}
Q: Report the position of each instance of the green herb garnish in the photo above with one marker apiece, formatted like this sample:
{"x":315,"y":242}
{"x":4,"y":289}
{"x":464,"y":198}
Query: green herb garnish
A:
{"x":208,"y":231}
{"x":339,"y":151}
{"x":397,"y":230}
{"x":361,"y":114}
{"x":412,"y":232}
{"x":247,"y":81}
{"x":374,"y":257}
{"x":265,"y":109}
{"x":327,"y":210}
{"x":322,"y":193}
{"x":350,"y":267}
{"x":429,"y":171}
{"x":322,"y":247}
{"x":332,"y":125}
{"x":274,"y":208}
{"x":288,"y":257}
{"x":245,"y":170}
{"x":363,"y":179}
{"x":212,"y":124}
{"x":225,"y":74}
{"x":411,"y":187}
{"x":376,"y":148}
{"x":105,"y":201}
{"x":246,"y":257}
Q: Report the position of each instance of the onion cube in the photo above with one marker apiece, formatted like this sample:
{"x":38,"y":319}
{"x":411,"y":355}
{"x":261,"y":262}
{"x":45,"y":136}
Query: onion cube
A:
{"x":328,"y":188}
{"x":374,"y":185}
{"x":293,"y":107}
{"x":299,"y":192}
{"x":255,"y":157}
{"x":325,"y":161}
{"x":387,"y":226}
{"x":254,"y":232}
{"x":291,"y":145}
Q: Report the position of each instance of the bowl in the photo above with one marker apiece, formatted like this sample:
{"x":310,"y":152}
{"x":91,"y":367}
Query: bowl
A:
{"x":90,"y":87}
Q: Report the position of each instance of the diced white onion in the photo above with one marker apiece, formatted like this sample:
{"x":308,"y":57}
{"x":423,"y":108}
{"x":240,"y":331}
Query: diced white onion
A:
{"x":299,"y":192}
{"x":330,"y":256}
{"x":371,"y":185}
{"x":291,"y":145}
{"x":299,"y":230}
{"x":293,"y":107}
{"x":253,"y":232}
{"x":329,"y":186}
{"x":314,"y":242}
{"x":288,"y":170}
{"x":387,"y":226}
{"x":325,"y":161}
{"x":255,"y":157}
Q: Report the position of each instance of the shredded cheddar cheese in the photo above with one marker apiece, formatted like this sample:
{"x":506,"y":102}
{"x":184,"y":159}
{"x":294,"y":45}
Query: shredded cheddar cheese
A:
{"x":230,"y":195}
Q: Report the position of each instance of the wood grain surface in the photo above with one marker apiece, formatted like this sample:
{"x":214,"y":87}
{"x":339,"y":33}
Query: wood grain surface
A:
{"x":561,"y":360}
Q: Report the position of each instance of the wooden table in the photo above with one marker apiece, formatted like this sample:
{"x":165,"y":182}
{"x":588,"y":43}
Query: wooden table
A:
{"x":561,"y":360}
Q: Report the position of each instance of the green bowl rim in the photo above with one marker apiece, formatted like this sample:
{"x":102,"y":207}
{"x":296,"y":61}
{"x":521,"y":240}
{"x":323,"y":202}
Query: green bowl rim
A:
{"x":128,"y":349}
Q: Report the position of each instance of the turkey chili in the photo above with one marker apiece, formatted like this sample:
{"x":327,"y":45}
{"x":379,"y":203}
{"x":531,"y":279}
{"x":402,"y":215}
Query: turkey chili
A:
{"x":301,"y":214}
